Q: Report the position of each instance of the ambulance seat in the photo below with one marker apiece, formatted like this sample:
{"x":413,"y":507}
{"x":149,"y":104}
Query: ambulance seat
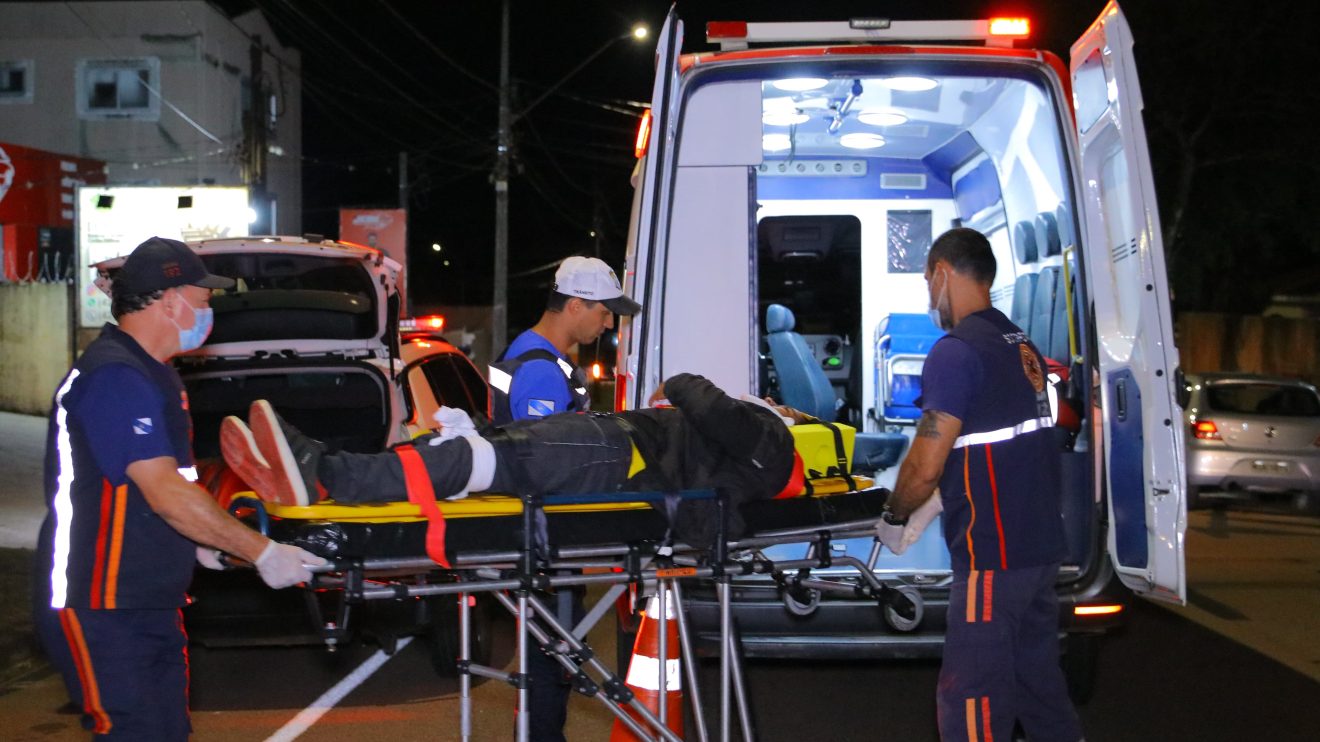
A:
{"x":802,"y":383}
{"x":1024,"y":293}
{"x":901,"y":344}
{"x":1041,"y":328}
{"x":1047,"y":234}
{"x":1024,"y":242}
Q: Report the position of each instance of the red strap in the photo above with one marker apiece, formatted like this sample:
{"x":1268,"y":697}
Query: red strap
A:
{"x":422,"y":494}
{"x":796,"y":480}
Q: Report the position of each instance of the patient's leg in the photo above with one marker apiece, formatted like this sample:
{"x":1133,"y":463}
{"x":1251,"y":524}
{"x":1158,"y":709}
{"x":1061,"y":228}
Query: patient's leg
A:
{"x":360,"y":477}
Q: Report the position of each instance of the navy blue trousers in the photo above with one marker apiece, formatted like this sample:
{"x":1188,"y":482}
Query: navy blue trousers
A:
{"x":128,"y":669}
{"x":1001,"y":659}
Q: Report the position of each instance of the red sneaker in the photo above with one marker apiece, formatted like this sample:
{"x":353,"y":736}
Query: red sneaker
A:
{"x":293,"y":457}
{"x":243,"y":457}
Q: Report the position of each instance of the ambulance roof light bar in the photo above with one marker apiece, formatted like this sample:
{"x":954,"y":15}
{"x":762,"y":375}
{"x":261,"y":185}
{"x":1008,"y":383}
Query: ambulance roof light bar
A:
{"x":732,"y":35}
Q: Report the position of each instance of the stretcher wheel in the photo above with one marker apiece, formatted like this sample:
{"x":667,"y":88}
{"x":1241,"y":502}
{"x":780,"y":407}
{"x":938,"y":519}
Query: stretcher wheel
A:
{"x":802,"y":601}
{"x":896,"y":620}
{"x":441,"y":634}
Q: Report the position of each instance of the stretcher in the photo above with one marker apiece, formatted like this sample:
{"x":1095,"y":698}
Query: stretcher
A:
{"x":518,"y":549}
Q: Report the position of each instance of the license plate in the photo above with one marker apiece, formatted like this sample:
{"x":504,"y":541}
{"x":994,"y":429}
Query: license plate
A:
{"x":1270,"y":465}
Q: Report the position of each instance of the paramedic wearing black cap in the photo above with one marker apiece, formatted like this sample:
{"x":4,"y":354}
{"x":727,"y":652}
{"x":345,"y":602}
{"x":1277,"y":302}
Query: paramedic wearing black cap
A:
{"x":984,"y":438}
{"x":126,"y":521}
{"x":534,"y":377}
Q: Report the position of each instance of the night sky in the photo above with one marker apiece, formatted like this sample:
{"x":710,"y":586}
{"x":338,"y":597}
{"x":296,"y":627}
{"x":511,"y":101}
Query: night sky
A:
{"x":1228,"y":98}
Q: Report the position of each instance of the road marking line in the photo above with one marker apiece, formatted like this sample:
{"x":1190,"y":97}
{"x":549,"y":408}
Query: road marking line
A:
{"x":309,"y":716}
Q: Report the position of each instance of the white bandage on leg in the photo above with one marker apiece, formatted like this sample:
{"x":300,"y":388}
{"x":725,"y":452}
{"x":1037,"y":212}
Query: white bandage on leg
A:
{"x":483,"y":467}
{"x":762,"y":403}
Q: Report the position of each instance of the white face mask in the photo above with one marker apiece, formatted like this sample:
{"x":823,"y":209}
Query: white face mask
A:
{"x":940,"y":309}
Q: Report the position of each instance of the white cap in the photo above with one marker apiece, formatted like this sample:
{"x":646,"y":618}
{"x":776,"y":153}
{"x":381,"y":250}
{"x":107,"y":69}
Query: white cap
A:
{"x":592,"y":279}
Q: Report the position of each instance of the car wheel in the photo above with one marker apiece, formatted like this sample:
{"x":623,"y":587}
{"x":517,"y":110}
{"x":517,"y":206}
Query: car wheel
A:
{"x":1080,"y":652}
{"x":442,"y":636}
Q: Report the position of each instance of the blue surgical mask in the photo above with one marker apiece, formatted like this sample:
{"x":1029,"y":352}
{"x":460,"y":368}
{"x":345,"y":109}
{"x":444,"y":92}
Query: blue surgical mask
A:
{"x":193,"y":337}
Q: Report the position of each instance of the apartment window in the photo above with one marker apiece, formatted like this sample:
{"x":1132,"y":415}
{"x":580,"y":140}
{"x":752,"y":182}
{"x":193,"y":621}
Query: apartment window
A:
{"x":119,"y":89}
{"x":16,"y":80}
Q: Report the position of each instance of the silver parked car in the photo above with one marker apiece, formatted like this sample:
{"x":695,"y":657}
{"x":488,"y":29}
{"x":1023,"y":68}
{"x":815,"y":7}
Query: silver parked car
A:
{"x":1251,"y":433}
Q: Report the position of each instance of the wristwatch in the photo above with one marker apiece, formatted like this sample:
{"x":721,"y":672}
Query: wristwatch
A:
{"x":888,"y":516}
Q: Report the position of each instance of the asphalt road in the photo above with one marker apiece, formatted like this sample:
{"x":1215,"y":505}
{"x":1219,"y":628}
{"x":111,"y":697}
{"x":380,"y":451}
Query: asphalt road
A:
{"x":1239,"y":662}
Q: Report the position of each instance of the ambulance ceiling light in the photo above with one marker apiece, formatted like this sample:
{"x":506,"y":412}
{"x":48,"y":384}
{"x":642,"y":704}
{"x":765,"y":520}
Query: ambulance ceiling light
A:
{"x":783,"y":118}
{"x":862,"y":140}
{"x":800,"y":84}
{"x":882,"y":118}
{"x":776,"y":142}
{"x":908,"y":84}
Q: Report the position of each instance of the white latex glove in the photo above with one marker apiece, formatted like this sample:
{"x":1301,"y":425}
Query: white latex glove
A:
{"x":285,"y":565}
{"x":452,"y":423}
{"x":921,"y":518}
{"x":209,"y":558}
{"x":891,"y":535}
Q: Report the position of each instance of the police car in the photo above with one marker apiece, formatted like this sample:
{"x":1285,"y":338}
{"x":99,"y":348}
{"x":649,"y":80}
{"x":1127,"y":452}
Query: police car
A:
{"x":313,"y":326}
{"x":808,"y":166}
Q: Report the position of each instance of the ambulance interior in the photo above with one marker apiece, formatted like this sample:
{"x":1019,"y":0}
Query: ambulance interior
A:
{"x":858,"y":174}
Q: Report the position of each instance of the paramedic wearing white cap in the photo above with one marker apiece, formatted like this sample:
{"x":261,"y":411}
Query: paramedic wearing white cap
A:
{"x":126,"y":521}
{"x":534,"y":377}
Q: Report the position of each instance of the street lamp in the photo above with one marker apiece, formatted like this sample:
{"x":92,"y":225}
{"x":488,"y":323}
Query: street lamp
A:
{"x":503,"y":149}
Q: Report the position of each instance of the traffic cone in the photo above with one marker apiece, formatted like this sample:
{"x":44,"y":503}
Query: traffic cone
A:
{"x":645,"y":668}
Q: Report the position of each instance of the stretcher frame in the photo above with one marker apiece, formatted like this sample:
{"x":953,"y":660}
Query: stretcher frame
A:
{"x":654,"y":567}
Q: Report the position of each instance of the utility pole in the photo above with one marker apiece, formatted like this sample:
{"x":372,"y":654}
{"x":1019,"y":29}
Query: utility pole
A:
{"x":407,"y":254}
{"x":500,"y":302}
{"x":256,"y":141}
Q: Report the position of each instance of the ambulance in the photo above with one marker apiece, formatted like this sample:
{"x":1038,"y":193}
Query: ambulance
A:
{"x":787,"y":191}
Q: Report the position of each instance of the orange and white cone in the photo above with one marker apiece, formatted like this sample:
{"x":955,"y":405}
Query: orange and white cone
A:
{"x":645,"y":668}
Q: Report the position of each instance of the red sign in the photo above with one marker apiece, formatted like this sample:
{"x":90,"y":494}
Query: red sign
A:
{"x":384,"y":229}
{"x":37,"y":190}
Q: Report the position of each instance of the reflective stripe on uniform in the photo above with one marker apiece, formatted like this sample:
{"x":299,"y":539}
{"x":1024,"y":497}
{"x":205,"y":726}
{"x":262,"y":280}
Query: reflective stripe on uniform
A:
{"x":500,"y":379}
{"x":188,"y":472}
{"x":62,"y":503}
{"x":1003,"y":434}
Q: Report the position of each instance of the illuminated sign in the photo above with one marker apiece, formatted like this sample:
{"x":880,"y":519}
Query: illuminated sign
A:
{"x":114,"y":220}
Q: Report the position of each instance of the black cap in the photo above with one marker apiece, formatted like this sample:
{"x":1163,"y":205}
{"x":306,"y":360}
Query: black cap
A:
{"x":161,"y":263}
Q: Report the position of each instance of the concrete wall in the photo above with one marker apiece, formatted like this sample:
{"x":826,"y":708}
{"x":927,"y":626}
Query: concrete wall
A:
{"x":35,"y":349}
{"x":1274,"y":345}
{"x":204,"y":64}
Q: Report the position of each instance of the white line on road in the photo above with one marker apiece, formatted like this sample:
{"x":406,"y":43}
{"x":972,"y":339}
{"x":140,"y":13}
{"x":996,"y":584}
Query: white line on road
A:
{"x":308,"y":716}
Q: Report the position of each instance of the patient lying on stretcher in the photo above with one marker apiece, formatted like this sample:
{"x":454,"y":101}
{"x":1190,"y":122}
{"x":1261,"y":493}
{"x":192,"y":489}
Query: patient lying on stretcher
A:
{"x":704,"y":440}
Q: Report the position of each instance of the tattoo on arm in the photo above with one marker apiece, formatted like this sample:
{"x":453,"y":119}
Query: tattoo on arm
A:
{"x":928,"y":427}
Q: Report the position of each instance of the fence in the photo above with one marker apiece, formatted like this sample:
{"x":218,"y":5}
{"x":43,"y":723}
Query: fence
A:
{"x":1279,"y":346}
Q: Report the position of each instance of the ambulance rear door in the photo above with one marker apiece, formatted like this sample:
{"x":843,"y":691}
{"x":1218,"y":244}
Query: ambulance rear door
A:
{"x":638,"y":336}
{"x":1124,"y":253}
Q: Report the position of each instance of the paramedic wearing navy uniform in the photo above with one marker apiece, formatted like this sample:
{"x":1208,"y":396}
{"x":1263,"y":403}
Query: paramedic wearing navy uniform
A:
{"x":534,"y":377}
{"x":984,"y":438}
{"x":126,"y":521}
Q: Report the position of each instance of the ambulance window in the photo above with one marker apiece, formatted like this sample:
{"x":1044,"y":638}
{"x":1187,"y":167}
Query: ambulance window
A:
{"x":1090,"y":91}
{"x":909,"y":239}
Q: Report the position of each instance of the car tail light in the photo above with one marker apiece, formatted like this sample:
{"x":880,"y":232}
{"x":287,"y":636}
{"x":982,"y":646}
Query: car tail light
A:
{"x":1206,"y":430}
{"x":1097,"y":610}
{"x":596,"y":370}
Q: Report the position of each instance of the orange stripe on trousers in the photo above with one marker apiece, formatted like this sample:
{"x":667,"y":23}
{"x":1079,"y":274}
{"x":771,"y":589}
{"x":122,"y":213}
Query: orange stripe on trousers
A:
{"x":970,"y":710}
{"x":116,"y":545}
{"x":82,"y":660}
{"x":971,"y":595}
{"x":987,"y":594}
{"x":985,"y":718}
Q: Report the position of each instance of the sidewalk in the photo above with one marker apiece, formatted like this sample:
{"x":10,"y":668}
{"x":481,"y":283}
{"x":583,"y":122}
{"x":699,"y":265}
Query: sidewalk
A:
{"x":22,"y":506}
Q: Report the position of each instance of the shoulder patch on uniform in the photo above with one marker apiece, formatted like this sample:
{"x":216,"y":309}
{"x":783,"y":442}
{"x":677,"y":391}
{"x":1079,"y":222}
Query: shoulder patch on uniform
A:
{"x":1031,"y":367}
{"x":142,"y":426}
{"x":540,"y":407}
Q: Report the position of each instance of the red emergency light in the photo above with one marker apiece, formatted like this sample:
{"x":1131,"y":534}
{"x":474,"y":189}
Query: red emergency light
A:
{"x":1017,"y":27}
{"x":432,"y":322}
{"x":643,"y":135}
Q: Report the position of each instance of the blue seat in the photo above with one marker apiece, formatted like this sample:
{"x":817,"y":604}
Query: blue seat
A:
{"x":802,"y":383}
{"x":901,"y":344}
{"x":1024,"y":242}
{"x":1024,"y":295}
{"x":1041,"y":327}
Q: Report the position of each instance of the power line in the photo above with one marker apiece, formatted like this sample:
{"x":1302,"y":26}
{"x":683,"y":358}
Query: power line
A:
{"x":438,"y":51}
